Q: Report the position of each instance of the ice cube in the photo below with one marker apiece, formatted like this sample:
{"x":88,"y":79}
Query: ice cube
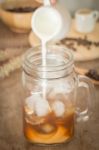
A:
{"x":58,"y":108}
{"x":55,"y":94}
{"x":30,"y":102}
{"x":34,"y":120}
{"x":42,"y":107}
{"x":47,"y":128}
{"x":60,"y":89}
{"x":28,"y":110}
{"x":63,"y":88}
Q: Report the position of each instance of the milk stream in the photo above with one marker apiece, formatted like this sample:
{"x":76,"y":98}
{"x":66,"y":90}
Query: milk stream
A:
{"x":44,"y":63}
{"x":46,"y":23}
{"x":44,"y":54}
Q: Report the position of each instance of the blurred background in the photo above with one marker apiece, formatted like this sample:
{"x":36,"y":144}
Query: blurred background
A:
{"x":73,"y":5}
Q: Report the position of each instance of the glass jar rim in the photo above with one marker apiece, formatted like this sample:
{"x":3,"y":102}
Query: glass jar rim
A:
{"x":36,"y":50}
{"x":32,"y":62}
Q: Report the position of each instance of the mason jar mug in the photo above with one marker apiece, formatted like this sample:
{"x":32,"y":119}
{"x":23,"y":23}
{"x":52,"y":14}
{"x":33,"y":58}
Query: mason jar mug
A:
{"x":51,"y":105}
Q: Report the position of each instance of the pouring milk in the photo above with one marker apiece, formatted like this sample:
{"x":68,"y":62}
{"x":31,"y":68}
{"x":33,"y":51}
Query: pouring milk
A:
{"x":50,"y":106}
{"x":49,"y":24}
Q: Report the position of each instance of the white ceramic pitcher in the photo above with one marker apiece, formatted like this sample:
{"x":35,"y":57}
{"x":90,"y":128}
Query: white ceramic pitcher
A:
{"x":51,"y":23}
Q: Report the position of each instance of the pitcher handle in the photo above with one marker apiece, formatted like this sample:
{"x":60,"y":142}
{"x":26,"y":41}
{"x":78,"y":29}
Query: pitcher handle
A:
{"x":85,"y":82}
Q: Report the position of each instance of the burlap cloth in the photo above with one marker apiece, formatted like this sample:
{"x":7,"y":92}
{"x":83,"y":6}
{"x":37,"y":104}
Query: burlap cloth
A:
{"x":12,"y":47}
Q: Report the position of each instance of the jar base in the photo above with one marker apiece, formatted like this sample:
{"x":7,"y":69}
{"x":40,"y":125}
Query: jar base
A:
{"x":53,"y":144}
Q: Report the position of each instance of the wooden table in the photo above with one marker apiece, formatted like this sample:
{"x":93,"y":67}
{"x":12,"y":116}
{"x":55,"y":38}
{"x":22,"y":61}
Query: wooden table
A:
{"x":11,"y":130}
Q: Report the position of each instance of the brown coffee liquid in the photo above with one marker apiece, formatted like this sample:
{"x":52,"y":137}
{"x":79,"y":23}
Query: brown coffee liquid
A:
{"x":49,"y":129}
{"x":21,"y":9}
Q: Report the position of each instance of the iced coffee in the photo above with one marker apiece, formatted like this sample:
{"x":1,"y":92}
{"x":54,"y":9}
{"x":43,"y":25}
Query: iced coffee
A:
{"x":50,"y":120}
{"x":52,"y":96}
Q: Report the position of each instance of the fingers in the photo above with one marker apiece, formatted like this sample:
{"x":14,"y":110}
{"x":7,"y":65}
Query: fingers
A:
{"x":53,"y":1}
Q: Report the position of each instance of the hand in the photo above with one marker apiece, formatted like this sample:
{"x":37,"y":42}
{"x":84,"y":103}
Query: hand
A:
{"x":53,"y":1}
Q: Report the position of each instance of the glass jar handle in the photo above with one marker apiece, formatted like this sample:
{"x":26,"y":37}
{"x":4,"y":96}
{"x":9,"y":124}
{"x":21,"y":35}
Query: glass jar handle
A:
{"x":86,"y":83}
